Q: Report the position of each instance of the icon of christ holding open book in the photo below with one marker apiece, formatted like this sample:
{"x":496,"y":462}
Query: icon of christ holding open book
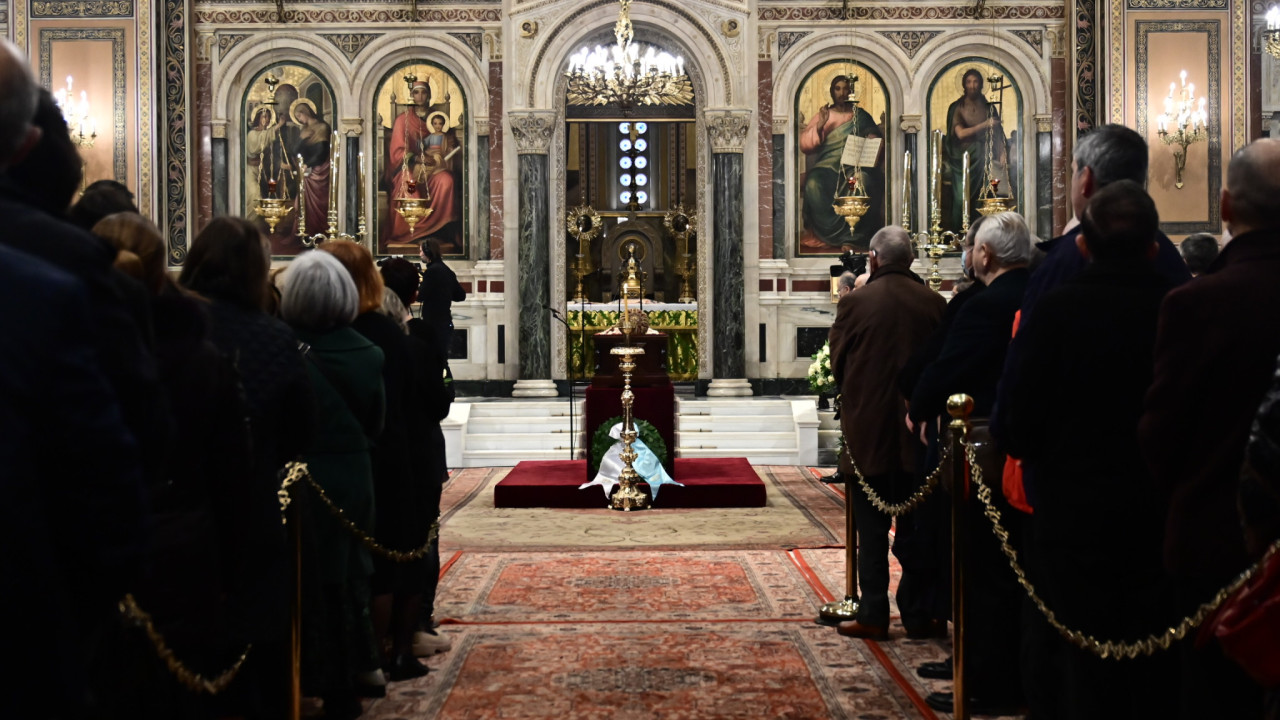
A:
{"x":824,"y":141}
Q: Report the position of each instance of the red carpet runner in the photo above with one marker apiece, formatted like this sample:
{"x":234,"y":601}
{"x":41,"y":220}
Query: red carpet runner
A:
{"x":709,"y":483}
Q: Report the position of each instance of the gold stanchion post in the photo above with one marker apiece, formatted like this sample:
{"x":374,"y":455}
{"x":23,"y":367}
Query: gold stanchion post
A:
{"x":295,"y":612}
{"x":834,"y":613}
{"x":959,"y":406}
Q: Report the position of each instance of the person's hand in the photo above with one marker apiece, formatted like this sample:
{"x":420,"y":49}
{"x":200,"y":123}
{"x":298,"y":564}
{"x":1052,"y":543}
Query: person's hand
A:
{"x":823,"y":113}
{"x":924,"y":438}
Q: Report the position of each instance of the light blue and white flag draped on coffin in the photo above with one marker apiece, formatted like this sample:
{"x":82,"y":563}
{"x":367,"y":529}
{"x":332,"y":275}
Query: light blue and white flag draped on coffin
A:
{"x":646,"y":466}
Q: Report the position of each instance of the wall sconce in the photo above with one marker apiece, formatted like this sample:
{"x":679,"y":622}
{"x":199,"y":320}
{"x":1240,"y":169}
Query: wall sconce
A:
{"x":1182,"y":123}
{"x":83,"y":126}
{"x":1271,"y":36}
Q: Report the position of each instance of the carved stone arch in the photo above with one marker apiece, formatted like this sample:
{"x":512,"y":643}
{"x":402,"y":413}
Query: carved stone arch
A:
{"x":249,"y":58}
{"x":449,"y":53}
{"x":1028,"y":70}
{"x":652,"y":19}
{"x":869,"y":49}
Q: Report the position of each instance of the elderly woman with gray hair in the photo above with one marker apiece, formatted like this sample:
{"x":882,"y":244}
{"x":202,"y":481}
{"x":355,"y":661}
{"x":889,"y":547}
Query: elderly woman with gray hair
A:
{"x":971,"y":362}
{"x":320,"y":301}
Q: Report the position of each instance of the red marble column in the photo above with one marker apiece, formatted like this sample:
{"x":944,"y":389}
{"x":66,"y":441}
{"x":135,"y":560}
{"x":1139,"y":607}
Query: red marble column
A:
{"x":764,"y":145}
{"x":203,"y":175}
{"x":1061,"y":143}
{"x":495,"y":161}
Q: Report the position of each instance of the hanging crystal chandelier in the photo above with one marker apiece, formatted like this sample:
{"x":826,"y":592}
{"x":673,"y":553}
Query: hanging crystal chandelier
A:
{"x":627,"y":74}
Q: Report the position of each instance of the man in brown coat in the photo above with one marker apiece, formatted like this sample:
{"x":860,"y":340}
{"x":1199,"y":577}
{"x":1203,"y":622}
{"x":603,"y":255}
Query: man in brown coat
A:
{"x":876,"y":330}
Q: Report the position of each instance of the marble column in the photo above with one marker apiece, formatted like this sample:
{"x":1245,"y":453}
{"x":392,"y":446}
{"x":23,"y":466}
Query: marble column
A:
{"x":532,"y":131}
{"x":221,"y":176}
{"x":779,"y":193}
{"x":351,"y":186}
{"x":727,"y":129}
{"x":1044,"y":176}
{"x":909,"y":215}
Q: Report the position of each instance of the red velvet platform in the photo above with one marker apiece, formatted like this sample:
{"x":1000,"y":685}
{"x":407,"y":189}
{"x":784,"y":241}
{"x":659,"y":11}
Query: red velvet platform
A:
{"x":709,"y":483}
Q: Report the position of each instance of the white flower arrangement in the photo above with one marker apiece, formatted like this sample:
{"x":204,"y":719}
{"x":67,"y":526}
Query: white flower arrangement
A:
{"x":821,"y":380}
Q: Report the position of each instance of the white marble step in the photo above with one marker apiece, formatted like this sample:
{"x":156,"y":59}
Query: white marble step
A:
{"x":764,"y":430}
{"x":522,"y":424}
{"x":507,"y":409}
{"x":736,"y":423}
{"x":689,"y":440}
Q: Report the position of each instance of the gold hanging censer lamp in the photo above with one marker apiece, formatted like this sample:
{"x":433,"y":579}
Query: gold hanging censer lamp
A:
{"x":990,"y":202}
{"x":274,"y":208}
{"x":628,"y":496}
{"x":413,"y":209}
{"x":683,"y":225}
{"x":584,"y":224}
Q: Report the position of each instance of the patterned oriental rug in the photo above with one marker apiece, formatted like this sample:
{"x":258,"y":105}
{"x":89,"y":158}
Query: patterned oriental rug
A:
{"x":798,"y":512}
{"x":707,"y":483}
{"x":651,"y":616}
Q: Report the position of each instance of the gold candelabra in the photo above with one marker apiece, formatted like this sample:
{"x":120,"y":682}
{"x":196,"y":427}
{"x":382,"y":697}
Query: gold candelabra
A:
{"x":310,"y":241}
{"x":1182,"y":123}
{"x":937,"y":241}
{"x":683,"y":225}
{"x":584,"y":224}
{"x":628,"y":497}
{"x":1271,"y":36}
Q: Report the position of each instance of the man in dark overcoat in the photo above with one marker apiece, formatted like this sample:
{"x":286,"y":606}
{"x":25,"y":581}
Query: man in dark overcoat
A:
{"x":876,"y":330}
{"x":1215,"y":353}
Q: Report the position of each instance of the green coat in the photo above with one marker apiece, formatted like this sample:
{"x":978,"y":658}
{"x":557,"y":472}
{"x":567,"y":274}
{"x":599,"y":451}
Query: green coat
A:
{"x":345,"y":371}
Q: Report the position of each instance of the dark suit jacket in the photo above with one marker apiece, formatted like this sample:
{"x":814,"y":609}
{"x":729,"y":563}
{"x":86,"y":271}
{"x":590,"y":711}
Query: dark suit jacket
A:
{"x":1074,"y":421}
{"x":876,"y":329}
{"x":439,"y":290}
{"x":921,"y":358}
{"x":972,"y":357}
{"x":115,"y":332}
{"x":71,"y":496}
{"x":1217,"y":345}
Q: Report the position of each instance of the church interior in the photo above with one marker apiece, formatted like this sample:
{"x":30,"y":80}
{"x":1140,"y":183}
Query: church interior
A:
{"x":649,"y":245}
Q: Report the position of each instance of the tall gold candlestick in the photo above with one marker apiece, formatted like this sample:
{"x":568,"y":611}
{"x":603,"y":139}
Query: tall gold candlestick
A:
{"x":360,"y":202}
{"x":906,"y":191}
{"x":334,"y":156}
{"x":964,"y":192}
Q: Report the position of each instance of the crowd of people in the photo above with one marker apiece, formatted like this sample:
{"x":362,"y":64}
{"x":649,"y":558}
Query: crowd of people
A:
{"x":144,"y":428}
{"x":1120,"y":422}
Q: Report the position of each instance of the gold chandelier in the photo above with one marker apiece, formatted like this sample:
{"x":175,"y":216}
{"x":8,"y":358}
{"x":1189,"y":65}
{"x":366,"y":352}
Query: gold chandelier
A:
{"x":627,"y":74}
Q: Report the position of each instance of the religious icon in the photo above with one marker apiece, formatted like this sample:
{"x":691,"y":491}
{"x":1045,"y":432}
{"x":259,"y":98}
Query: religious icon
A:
{"x":839,"y":101}
{"x":420,"y":112}
{"x":983,"y":121}
{"x":312,"y":150}
{"x":286,"y":118}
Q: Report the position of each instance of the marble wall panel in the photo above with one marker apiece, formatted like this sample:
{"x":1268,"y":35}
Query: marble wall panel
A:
{"x":495,"y":161}
{"x":764,"y":149}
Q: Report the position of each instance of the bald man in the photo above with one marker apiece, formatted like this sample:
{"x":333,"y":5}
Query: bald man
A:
{"x":1215,"y":354}
{"x":876,"y":330}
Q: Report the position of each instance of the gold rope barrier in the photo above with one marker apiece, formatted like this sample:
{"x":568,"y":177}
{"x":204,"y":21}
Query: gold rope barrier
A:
{"x":298,"y":472}
{"x":189,"y":679}
{"x":911,"y":503}
{"x":1106,"y":649}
